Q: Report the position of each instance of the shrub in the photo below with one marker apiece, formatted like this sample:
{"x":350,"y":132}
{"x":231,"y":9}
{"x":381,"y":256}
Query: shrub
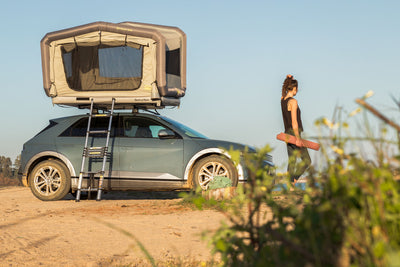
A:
{"x":9,"y":181}
{"x":219,"y":182}
{"x":349,"y":213}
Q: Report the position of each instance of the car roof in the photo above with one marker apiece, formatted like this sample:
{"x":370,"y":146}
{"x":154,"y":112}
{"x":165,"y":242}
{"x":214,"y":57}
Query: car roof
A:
{"x":140,"y":114}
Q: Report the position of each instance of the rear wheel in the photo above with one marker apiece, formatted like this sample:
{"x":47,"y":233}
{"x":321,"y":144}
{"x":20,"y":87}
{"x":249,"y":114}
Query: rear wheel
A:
{"x":50,"y":180}
{"x":207,"y":168}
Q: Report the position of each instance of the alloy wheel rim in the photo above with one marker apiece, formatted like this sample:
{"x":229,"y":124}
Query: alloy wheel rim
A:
{"x":209,"y":171}
{"x":47,"y":180}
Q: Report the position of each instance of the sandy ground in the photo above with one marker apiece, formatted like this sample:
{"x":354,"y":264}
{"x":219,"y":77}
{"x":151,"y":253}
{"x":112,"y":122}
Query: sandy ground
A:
{"x":91,"y":233}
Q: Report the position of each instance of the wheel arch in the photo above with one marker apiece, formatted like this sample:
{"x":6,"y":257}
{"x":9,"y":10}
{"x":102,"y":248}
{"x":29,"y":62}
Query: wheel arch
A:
{"x":205,"y":153}
{"x":42,"y":156}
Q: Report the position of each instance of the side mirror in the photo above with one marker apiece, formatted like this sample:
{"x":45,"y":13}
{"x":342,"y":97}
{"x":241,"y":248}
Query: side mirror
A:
{"x":166,"y":134}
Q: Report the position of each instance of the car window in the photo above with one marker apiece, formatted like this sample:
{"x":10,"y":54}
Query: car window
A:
{"x":79,"y":128}
{"x":51,"y":124}
{"x":189,"y":132}
{"x":136,"y":127}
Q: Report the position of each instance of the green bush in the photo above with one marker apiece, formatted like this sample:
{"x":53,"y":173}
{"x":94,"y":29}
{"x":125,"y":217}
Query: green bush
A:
{"x":349,"y":214}
{"x":219,"y":182}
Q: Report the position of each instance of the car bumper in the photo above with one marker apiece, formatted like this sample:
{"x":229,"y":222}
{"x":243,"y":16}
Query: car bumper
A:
{"x":23,"y":179}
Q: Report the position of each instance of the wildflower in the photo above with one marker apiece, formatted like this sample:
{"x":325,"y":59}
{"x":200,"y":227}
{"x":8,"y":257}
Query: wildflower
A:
{"x":337,"y":150}
{"x":263,"y":188}
{"x":354,"y":112}
{"x":327,"y":122}
{"x":330,"y":124}
{"x":376,"y":231}
{"x":368,"y":94}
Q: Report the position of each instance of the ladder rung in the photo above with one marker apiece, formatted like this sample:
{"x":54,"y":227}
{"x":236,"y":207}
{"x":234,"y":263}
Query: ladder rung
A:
{"x":97,"y":149}
{"x":94,"y":152}
{"x":91,"y":189}
{"x":89,"y":173}
{"x":101,"y":115}
{"x":98,"y":131}
{"x":94,"y":155}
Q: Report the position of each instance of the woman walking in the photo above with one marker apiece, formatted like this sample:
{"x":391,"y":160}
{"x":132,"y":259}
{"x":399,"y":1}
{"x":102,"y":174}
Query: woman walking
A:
{"x":293,"y":125}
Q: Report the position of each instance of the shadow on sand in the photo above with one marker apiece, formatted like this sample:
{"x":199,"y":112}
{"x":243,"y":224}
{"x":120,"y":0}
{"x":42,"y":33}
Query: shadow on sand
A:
{"x":131,"y":195}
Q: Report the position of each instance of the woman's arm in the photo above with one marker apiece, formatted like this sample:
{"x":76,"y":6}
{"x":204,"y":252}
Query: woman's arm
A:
{"x":292,"y":106}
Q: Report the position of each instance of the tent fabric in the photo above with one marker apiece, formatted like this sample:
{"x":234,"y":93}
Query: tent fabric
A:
{"x":135,"y":63}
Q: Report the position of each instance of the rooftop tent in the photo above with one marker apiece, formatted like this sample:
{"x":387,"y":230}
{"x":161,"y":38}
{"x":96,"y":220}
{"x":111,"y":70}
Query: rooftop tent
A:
{"x":137,"y":64}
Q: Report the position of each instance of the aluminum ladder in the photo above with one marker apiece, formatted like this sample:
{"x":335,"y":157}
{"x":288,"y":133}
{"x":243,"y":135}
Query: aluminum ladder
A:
{"x":95,"y":152}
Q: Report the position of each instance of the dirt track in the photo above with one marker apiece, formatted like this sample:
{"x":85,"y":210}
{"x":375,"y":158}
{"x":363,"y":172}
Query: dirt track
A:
{"x":90,"y":233}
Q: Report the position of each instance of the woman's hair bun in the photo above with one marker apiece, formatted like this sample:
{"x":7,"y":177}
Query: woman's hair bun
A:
{"x":288,"y":84}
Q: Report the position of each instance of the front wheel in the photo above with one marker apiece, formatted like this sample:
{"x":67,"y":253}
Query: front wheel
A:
{"x":50,"y":180}
{"x":207,"y":168}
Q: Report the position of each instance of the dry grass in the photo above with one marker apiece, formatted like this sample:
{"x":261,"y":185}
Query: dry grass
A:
{"x":120,"y":261}
{"x":7,"y":181}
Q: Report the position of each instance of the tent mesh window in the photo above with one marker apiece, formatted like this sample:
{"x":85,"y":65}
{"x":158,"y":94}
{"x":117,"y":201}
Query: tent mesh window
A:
{"x":173,"y":68}
{"x":173,"y":59}
{"x":94,"y":68}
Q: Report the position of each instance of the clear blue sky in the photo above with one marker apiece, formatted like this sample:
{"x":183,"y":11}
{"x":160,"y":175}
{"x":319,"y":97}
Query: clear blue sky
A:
{"x":238,"y":55}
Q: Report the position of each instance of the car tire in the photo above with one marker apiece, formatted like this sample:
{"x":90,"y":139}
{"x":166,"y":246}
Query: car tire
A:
{"x":211,"y":166}
{"x":50,"y":180}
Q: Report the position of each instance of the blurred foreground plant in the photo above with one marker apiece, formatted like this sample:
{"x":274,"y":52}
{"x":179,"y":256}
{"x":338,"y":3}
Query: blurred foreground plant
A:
{"x":349,"y":214}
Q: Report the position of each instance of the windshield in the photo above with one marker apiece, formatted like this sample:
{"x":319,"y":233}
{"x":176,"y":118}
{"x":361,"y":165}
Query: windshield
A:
{"x":186,"y":130}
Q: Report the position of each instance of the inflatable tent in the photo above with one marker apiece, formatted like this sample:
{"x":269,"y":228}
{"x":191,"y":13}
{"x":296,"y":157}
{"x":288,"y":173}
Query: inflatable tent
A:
{"x":137,"y":64}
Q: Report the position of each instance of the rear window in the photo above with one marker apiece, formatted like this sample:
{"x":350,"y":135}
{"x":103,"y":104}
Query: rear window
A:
{"x":79,"y":128}
{"x":51,"y":124}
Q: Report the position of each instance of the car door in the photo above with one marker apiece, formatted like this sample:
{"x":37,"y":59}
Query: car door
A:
{"x":72,"y":141}
{"x":145,"y":160}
